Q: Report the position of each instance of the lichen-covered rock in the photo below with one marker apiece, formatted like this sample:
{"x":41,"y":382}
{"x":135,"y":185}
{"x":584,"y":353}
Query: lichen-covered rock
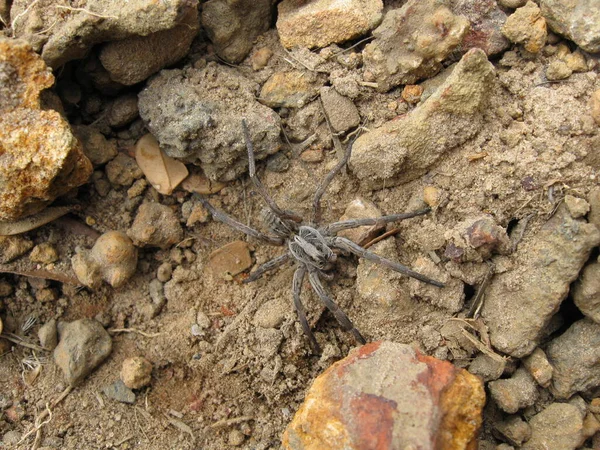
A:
{"x":155,"y":225}
{"x":233,"y":26}
{"x":579,"y":20}
{"x":319,"y":23}
{"x":390,"y":395}
{"x":520,"y":303}
{"x":411,"y":43}
{"x":527,"y":26}
{"x":575,"y":357}
{"x":40,"y":159}
{"x":75,"y":30}
{"x":129,"y":61}
{"x":196,"y":115}
{"x":403,"y":149}
{"x":112,"y":259}
{"x":83,"y":345}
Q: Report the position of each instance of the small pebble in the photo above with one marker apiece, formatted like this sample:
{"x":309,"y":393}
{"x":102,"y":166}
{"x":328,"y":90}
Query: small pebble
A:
{"x":164,"y":272}
{"x":558,"y":70}
{"x":48,"y":335}
{"x":119,"y":392}
{"x":595,"y":106}
{"x":236,"y":438}
{"x":155,"y":225}
{"x":312,"y":155}
{"x":230,"y":259}
{"x":43,"y":253}
{"x":577,"y":207}
{"x":123,"y":170}
{"x":136,"y":372}
{"x":538,"y":366}
{"x":514,"y":393}
{"x":260,"y":58}
{"x":412,"y":93}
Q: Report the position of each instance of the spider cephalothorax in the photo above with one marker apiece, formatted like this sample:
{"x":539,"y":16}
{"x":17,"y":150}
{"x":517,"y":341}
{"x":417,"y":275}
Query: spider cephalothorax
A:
{"x":310,"y":246}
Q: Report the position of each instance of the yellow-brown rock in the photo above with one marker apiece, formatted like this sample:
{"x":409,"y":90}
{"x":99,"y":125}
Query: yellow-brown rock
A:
{"x":384,"y":396}
{"x":40,"y":159}
{"x":527,"y":26}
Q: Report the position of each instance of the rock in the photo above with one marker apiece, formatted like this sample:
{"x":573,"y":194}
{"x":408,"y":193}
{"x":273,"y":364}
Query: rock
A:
{"x":75,"y":32}
{"x":322,"y":22}
{"x":11,"y":437}
{"x":340,"y":110}
{"x":514,"y":393}
{"x":411,"y":43}
{"x":235,"y":438}
{"x":260,"y":58}
{"x":123,"y":111}
{"x":12,"y":247}
{"x":578,"y":20}
{"x":44,"y":253}
{"x":230,"y":259}
{"x":96,"y":147}
{"x":520,"y":303}
{"x":390,"y":395}
{"x":155,"y":225}
{"x":157,"y":295}
{"x":559,"y":426}
{"x":48,"y":335}
{"x":164,"y":272}
{"x":538,"y":366}
{"x":402,"y":150}
{"x":487,"y":368}
{"x":119,"y":392}
{"x":514,"y":4}
{"x":377,"y":285}
{"x":595,"y":106}
{"x":451,"y":297}
{"x":312,"y":155}
{"x":558,"y":70}
{"x":577,"y":207}
{"x":40,"y":158}
{"x":594,"y":201}
{"x":514,"y":430}
{"x":485,"y":24}
{"x":129,"y":61}
{"x":113,"y":258}
{"x":412,"y":93}
{"x":83,"y":345}
{"x":271,"y":314}
{"x":292,"y":89}
{"x":136,"y":372}
{"x":361,"y":208}
{"x":586,"y":291}
{"x":527,"y":26}
{"x":233,"y":26}
{"x":478,"y":238}
{"x":123,"y":170}
{"x":196,"y":115}
{"x":575,"y":357}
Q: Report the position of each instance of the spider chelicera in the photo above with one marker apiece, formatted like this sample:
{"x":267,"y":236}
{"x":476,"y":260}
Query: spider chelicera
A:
{"x":310,"y":245}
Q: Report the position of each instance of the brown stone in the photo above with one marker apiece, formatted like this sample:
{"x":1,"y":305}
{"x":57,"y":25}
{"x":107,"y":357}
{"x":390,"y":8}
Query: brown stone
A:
{"x":527,"y":26}
{"x":136,"y":372}
{"x":230,"y":259}
{"x":386,"y":395}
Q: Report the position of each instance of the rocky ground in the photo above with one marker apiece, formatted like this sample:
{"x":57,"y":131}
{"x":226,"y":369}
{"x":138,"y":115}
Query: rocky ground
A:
{"x":124,"y":317}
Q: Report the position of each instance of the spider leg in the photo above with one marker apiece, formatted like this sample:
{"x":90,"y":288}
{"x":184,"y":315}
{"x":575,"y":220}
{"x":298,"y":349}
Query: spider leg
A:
{"x":222,"y":217}
{"x":348,"y":245}
{"x":269,"y":265}
{"x":316,"y":212}
{"x":336,"y":227}
{"x":297,"y":289}
{"x":258,"y":184}
{"x":341,"y":317}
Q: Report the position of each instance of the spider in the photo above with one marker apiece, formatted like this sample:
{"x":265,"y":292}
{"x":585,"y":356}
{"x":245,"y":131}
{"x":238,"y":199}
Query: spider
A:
{"x":311,"y":245}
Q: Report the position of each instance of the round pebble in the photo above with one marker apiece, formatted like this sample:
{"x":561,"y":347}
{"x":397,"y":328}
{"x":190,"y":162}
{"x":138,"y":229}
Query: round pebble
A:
{"x":164,"y":272}
{"x":136,"y":372}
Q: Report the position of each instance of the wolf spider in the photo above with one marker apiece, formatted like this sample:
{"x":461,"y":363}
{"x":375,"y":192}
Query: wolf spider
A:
{"x":310,"y":245}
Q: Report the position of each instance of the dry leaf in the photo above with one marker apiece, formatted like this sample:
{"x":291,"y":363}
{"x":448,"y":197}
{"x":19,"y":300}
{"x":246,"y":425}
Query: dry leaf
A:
{"x":163,"y":172}
{"x":32,"y":222}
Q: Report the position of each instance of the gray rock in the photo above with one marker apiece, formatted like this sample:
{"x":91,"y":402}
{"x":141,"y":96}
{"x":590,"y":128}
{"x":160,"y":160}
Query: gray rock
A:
{"x":559,"y":426}
{"x":75,"y":32}
{"x":514,"y":430}
{"x":123,"y":110}
{"x":578,"y":20}
{"x":487,"y":368}
{"x":83,"y":345}
{"x":586,"y":291}
{"x":520,"y":303}
{"x":340,"y":110}
{"x":196,"y":115}
{"x":123,"y":170}
{"x":411,"y":43}
{"x":95,"y":146}
{"x":233,"y":26}
{"x":514,"y":393}
{"x":403,"y":150}
{"x":119,"y":392}
{"x":129,"y":61}
{"x":538,"y":366}
{"x":575,"y":356}
{"x":11,"y":438}
{"x":48,"y":335}
{"x":578,"y":207}
{"x":155,"y":225}
{"x":558,"y":70}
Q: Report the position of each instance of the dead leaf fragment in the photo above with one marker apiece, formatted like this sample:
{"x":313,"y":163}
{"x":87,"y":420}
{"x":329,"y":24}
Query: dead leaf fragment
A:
{"x":163,"y":172}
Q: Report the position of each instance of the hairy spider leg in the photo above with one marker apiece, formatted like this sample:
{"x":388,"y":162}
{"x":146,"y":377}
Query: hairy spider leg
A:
{"x":348,"y":245}
{"x":269,"y":265}
{"x":297,"y":290}
{"x":336,"y":227}
{"x":341,"y":317}
{"x":258,"y":184}
{"x":226,"y":219}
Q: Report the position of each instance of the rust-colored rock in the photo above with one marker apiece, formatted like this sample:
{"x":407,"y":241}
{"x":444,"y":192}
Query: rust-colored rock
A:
{"x":384,"y":396}
{"x":40,"y":159}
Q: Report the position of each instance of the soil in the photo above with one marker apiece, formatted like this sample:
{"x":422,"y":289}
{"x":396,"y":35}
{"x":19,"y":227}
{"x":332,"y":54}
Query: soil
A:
{"x":239,"y":384}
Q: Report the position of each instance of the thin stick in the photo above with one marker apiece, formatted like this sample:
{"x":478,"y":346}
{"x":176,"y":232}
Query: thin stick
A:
{"x":355,"y":45}
{"x":224,"y":423}
{"x":21,"y":14}
{"x":17,"y":340}
{"x":133,"y":330}
{"x":385,"y":235}
{"x":477,"y":303}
